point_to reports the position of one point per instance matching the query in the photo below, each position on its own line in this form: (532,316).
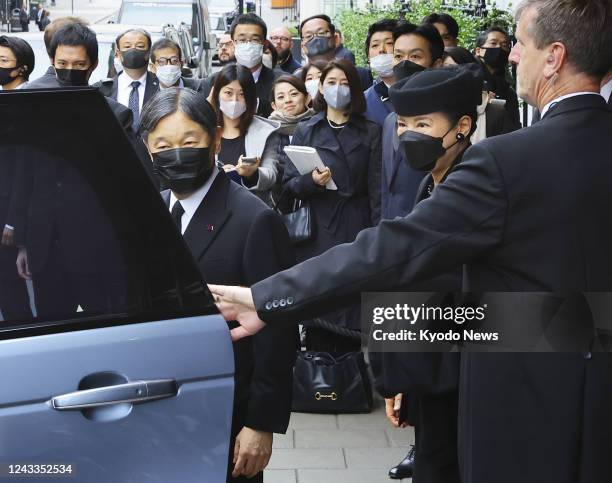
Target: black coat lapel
(209,218)
(151,87)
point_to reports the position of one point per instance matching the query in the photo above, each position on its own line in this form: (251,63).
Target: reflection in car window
(86,225)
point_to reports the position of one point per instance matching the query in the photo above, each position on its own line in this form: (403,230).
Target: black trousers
(60,290)
(14,300)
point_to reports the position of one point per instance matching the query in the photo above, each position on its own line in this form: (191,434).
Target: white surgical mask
(249,54)
(168,75)
(118,65)
(383,64)
(337,96)
(232,109)
(312,86)
(267,61)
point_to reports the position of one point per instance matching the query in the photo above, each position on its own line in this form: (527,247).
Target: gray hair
(582,26)
(169,101)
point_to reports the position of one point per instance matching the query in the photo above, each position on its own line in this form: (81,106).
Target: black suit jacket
(263,87)
(237,240)
(109,87)
(527,211)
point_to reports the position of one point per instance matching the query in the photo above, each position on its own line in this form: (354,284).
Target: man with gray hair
(527,211)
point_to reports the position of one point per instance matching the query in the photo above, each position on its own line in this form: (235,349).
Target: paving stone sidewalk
(326,448)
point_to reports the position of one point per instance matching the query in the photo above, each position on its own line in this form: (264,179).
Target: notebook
(306,160)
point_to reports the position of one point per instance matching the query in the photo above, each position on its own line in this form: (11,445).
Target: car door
(123,370)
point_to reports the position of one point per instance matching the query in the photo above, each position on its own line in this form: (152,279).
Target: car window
(217,23)
(98,239)
(151,13)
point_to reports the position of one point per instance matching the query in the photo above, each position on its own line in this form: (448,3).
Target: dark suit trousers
(14,301)
(58,291)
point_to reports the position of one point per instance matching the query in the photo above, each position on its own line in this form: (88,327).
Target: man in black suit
(525,212)
(248,33)
(234,238)
(167,65)
(135,85)
(51,198)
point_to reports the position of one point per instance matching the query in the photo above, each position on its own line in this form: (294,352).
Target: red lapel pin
(210,227)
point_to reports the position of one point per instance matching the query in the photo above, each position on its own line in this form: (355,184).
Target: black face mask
(406,68)
(72,77)
(496,57)
(135,58)
(185,169)
(5,75)
(318,46)
(421,150)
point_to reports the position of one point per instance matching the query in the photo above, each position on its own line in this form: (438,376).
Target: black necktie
(177,214)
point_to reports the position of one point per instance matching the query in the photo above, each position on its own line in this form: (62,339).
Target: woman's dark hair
(319,64)
(460,55)
(22,52)
(268,46)
(453,116)
(385,25)
(229,74)
(289,79)
(175,99)
(76,35)
(358,104)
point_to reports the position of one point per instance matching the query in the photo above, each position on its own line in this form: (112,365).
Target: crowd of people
(412,146)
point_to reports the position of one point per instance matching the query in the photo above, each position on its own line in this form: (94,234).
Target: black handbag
(325,384)
(298,221)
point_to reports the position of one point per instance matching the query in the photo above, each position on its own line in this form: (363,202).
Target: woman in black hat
(436,117)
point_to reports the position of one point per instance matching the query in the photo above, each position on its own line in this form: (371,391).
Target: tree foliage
(355,23)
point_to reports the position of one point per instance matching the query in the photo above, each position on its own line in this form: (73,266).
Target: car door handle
(131,392)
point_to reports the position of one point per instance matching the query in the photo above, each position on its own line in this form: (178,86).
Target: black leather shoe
(405,468)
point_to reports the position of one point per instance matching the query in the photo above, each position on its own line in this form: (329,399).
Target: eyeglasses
(321,33)
(255,40)
(161,61)
(224,44)
(280,39)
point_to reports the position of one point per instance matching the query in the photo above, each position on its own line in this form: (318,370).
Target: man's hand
(22,264)
(252,452)
(247,170)
(8,236)
(392,407)
(321,177)
(236,303)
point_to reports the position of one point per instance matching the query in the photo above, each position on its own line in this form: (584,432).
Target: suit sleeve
(300,186)
(268,250)
(17,215)
(374,175)
(464,217)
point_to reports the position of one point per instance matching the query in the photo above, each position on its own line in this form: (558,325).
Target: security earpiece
(460,136)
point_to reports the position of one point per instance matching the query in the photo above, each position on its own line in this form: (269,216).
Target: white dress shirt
(561,98)
(606,90)
(124,89)
(193,201)
(257,73)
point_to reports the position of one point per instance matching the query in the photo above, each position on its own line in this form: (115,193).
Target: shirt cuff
(9,227)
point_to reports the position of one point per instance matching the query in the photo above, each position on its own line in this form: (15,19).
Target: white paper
(306,160)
